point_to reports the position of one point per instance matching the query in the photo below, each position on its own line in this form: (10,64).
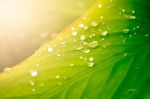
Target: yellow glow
(7,10)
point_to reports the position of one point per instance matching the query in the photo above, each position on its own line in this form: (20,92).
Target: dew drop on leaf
(33,89)
(81,57)
(93,44)
(7,69)
(125,54)
(81,25)
(32,83)
(34,73)
(58,55)
(100,5)
(59,83)
(90,64)
(101,17)
(94,24)
(74,33)
(130,17)
(137,27)
(105,33)
(133,12)
(82,37)
(91,59)
(123,10)
(57,77)
(41,84)
(50,49)
(71,65)
(86,27)
(146,35)
(79,48)
(86,51)
(126,30)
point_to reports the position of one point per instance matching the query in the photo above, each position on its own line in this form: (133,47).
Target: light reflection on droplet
(91,59)
(125,54)
(33,90)
(7,69)
(57,77)
(101,17)
(130,17)
(126,30)
(105,33)
(74,33)
(81,57)
(90,64)
(100,5)
(34,73)
(146,35)
(82,37)
(94,24)
(86,51)
(93,44)
(32,83)
(50,49)
(71,65)
(81,25)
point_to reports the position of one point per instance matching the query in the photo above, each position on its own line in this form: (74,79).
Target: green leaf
(103,55)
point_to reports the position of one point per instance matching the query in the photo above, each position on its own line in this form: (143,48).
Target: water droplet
(63,43)
(82,37)
(126,30)
(79,48)
(57,77)
(101,17)
(71,65)
(74,33)
(84,18)
(90,64)
(105,33)
(33,90)
(81,25)
(125,54)
(86,27)
(137,27)
(130,35)
(94,24)
(91,59)
(146,35)
(133,11)
(59,83)
(124,40)
(50,49)
(7,69)
(93,44)
(65,78)
(34,73)
(132,17)
(41,84)
(86,51)
(73,28)
(81,57)
(100,30)
(102,39)
(100,5)
(130,93)
(123,10)
(84,43)
(37,65)
(32,83)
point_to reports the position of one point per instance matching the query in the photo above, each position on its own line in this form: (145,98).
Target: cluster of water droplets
(128,13)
